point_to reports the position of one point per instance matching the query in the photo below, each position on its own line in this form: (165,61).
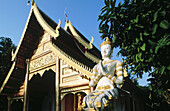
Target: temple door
(69,102)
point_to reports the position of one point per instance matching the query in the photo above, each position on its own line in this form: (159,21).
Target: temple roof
(80,53)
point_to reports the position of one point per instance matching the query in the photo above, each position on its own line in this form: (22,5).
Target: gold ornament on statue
(107,41)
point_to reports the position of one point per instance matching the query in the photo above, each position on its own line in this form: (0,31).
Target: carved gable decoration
(43,58)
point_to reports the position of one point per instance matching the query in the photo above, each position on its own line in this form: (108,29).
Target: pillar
(79,101)
(9,103)
(57,85)
(25,107)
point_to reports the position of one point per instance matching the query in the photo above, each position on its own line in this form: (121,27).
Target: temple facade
(52,66)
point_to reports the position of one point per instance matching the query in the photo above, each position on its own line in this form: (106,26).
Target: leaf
(155,16)
(114,38)
(164,24)
(137,40)
(150,87)
(163,13)
(145,33)
(140,26)
(141,37)
(143,47)
(154,28)
(137,60)
(162,69)
(168,67)
(129,27)
(140,56)
(137,18)
(156,49)
(167,82)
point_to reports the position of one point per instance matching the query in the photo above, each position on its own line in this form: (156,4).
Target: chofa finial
(32,2)
(91,45)
(66,15)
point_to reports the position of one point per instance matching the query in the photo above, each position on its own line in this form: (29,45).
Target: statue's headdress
(107,41)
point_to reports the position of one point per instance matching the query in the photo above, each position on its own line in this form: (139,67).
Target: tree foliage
(6,47)
(141,29)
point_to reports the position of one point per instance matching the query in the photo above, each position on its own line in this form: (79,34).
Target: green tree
(140,28)
(6,47)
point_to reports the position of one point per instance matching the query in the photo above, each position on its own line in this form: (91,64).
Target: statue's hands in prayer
(102,70)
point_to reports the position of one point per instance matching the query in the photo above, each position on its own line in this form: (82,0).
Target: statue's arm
(95,77)
(119,73)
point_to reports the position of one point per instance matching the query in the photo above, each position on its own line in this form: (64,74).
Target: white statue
(106,74)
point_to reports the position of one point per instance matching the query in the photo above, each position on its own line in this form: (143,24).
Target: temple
(51,68)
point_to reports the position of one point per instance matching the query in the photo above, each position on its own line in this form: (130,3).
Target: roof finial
(66,15)
(32,2)
(91,46)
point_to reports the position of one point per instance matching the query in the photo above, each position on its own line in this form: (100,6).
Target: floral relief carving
(42,61)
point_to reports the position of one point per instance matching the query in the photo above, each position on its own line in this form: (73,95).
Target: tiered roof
(69,44)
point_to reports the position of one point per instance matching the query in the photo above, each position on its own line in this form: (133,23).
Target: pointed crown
(107,41)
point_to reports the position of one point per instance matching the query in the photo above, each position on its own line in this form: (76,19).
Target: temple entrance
(70,101)
(41,92)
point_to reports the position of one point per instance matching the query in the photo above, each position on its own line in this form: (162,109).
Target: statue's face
(106,51)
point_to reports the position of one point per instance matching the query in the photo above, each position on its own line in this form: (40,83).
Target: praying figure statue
(105,76)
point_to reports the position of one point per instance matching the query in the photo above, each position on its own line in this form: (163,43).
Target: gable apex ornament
(57,29)
(66,15)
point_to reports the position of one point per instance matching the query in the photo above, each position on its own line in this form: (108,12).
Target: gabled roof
(63,43)
(85,45)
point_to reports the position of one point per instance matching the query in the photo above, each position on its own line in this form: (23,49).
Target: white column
(25,107)
(57,85)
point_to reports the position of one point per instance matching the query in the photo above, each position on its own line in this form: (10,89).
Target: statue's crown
(107,41)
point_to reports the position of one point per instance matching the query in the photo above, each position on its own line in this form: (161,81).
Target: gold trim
(82,41)
(76,35)
(93,97)
(83,104)
(114,79)
(92,57)
(103,87)
(94,74)
(92,109)
(97,93)
(98,104)
(104,62)
(119,75)
(91,45)
(90,102)
(125,73)
(106,104)
(107,41)
(110,76)
(110,97)
(118,65)
(118,70)
(107,74)
(94,70)
(44,24)
(71,61)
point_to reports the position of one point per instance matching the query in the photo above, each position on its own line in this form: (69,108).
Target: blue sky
(83,14)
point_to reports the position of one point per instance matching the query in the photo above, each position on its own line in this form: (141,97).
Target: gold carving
(42,61)
(92,109)
(103,87)
(107,41)
(98,104)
